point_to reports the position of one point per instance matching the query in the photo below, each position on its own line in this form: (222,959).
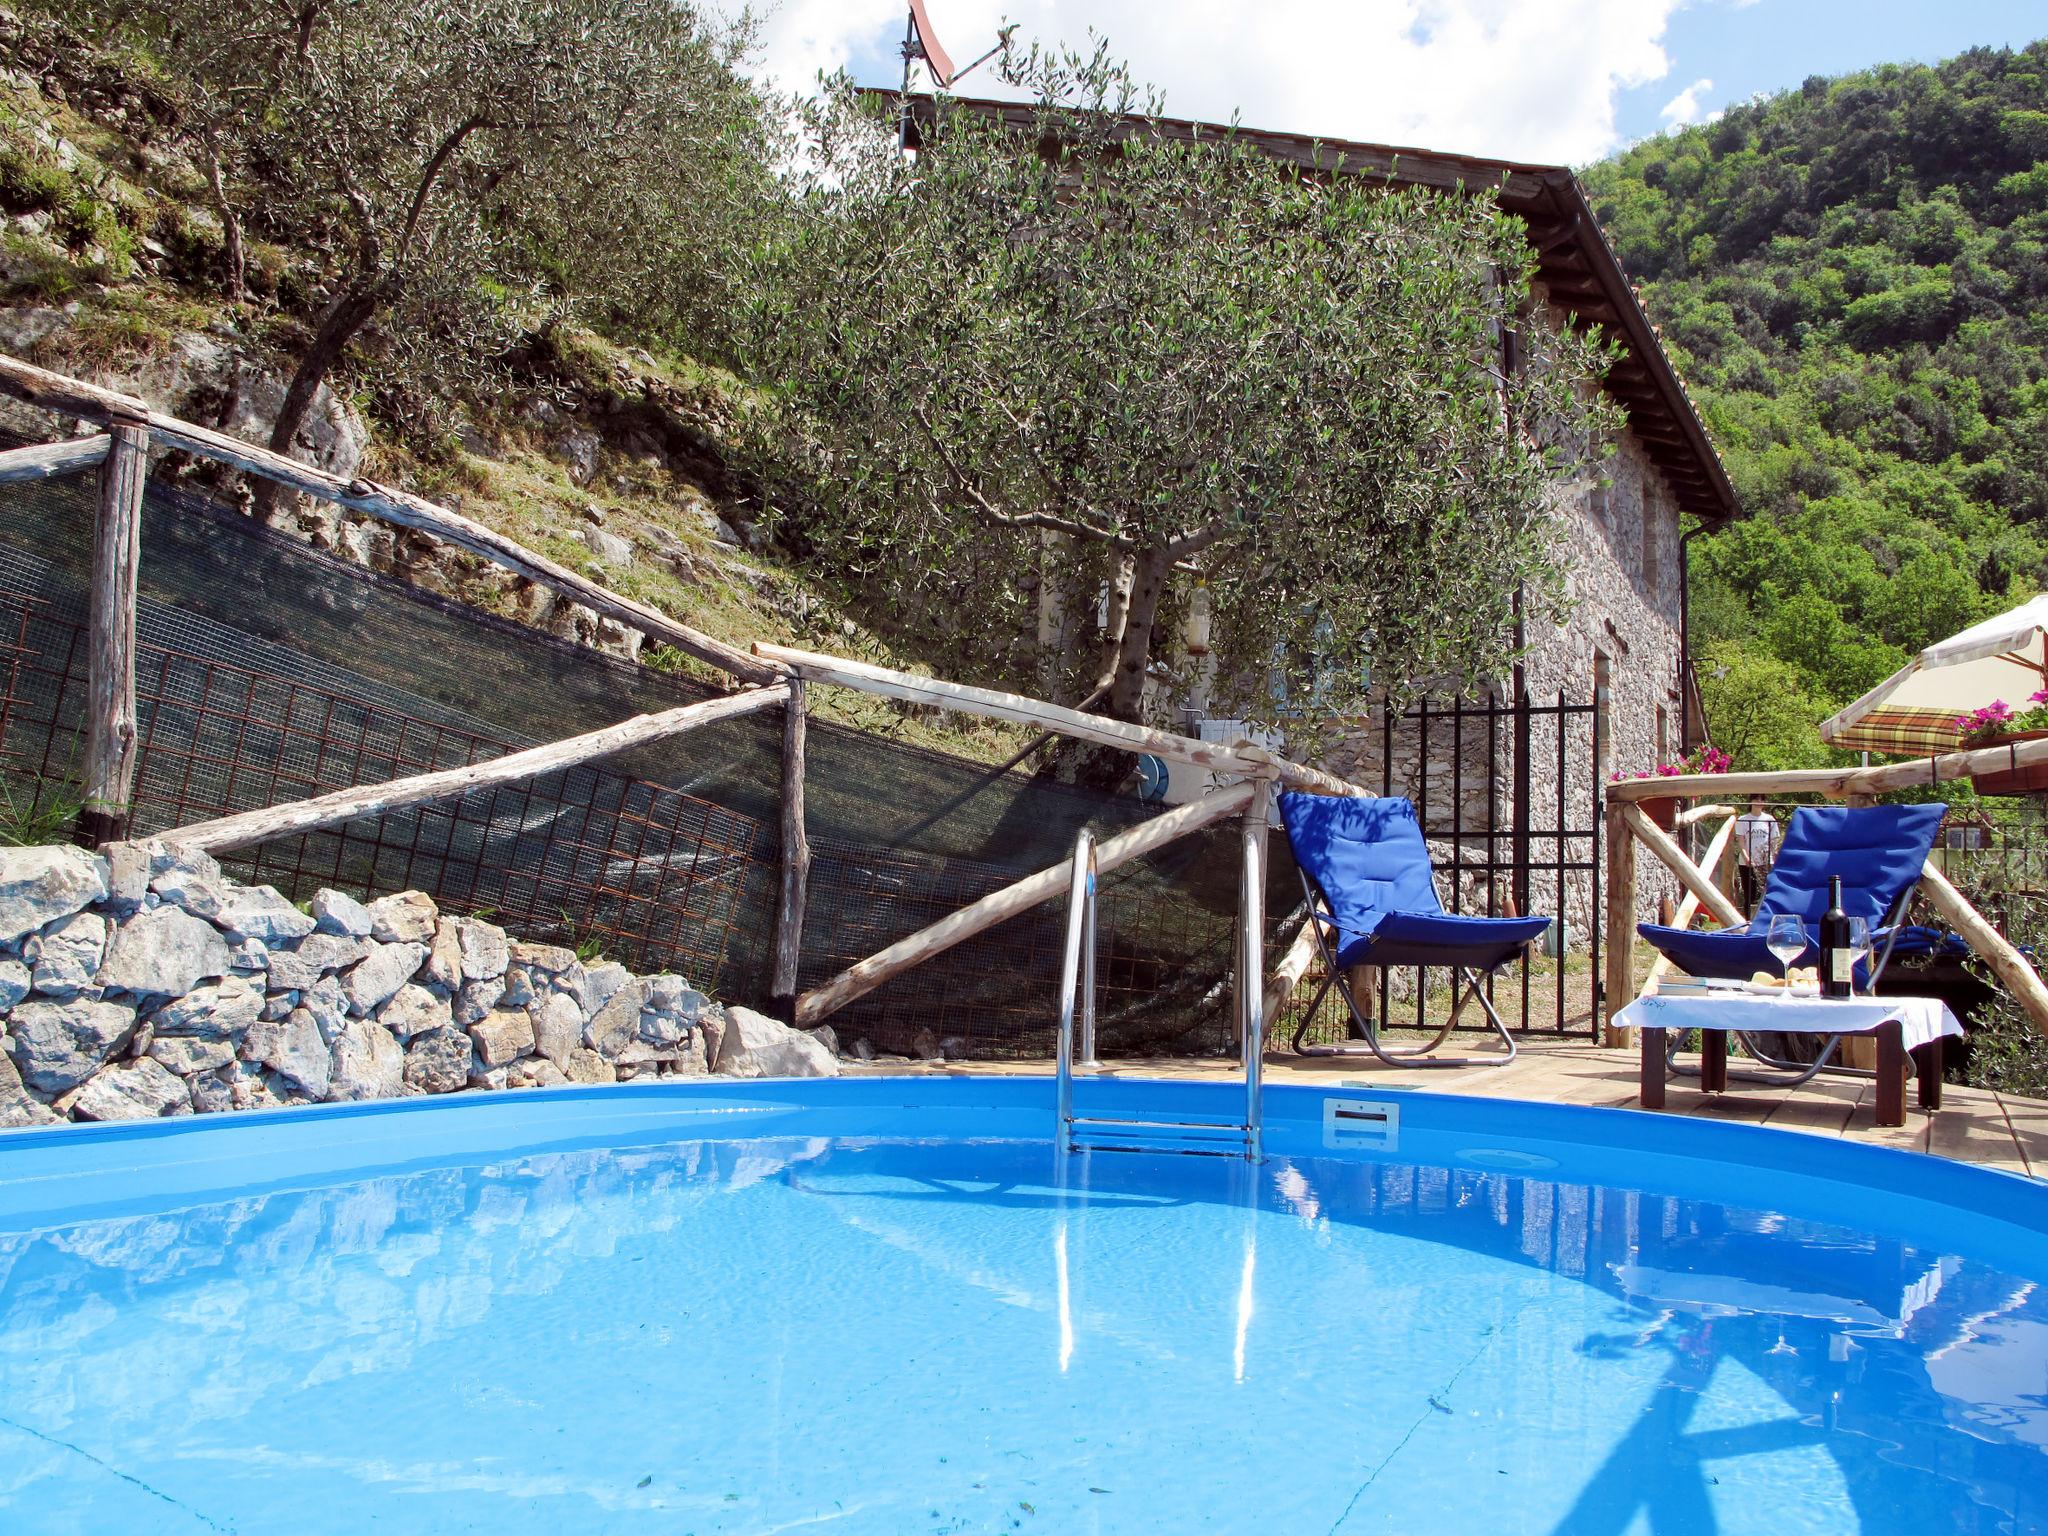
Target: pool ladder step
(1128,1131)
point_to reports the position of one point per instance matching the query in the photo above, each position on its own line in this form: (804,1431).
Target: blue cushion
(1407,938)
(1369,860)
(1366,856)
(1878,850)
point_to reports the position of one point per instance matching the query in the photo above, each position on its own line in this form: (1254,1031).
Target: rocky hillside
(605,456)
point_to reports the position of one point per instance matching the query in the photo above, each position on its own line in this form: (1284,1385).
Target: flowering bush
(1701,760)
(1998,718)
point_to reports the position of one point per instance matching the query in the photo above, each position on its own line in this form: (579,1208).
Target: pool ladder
(1131,1132)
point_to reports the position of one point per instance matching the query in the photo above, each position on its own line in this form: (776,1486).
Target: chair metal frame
(1470,984)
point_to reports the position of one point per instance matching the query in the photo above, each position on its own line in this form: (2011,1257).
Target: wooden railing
(1627,824)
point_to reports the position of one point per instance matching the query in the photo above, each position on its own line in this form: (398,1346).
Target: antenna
(921,41)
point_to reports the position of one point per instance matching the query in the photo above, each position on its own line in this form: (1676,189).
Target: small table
(1902,1026)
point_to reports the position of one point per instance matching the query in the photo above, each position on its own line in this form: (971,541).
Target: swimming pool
(886,1305)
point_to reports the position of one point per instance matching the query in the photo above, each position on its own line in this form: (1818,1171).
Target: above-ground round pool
(890,1306)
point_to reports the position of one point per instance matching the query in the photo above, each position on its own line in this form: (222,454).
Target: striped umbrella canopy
(1913,712)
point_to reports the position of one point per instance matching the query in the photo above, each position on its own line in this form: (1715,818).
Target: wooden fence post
(1619,985)
(108,776)
(796,856)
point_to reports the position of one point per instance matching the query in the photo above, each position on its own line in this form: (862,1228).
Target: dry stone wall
(141,981)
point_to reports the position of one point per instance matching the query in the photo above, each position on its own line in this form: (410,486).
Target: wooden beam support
(1301,954)
(1241,757)
(1618,985)
(1690,875)
(857,980)
(342,805)
(108,776)
(796,855)
(2011,967)
(69,397)
(47,461)
(1689,908)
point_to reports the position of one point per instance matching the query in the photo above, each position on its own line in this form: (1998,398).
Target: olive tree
(460,164)
(1075,356)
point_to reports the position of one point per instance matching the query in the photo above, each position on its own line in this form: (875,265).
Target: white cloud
(1519,79)
(1685,107)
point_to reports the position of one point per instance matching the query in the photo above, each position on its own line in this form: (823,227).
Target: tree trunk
(346,315)
(1126,699)
(232,256)
(1129,649)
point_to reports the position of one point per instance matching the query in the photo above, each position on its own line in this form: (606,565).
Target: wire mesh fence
(268,671)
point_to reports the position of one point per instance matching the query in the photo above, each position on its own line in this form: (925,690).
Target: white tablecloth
(1921,1019)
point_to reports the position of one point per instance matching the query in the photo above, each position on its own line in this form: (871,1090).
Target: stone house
(1620,658)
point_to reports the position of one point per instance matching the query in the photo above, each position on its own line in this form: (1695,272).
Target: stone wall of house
(1620,645)
(141,982)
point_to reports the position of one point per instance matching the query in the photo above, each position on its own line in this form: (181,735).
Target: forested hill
(1853,278)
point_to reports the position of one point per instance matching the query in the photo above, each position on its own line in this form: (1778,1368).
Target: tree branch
(1049,521)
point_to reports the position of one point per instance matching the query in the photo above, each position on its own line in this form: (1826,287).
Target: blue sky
(1541,80)
(1772,45)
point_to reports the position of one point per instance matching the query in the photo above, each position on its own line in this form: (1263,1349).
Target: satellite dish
(1151,777)
(935,57)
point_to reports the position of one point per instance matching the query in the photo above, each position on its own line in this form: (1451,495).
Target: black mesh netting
(267,672)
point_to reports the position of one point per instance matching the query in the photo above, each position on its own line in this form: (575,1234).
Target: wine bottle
(1837,960)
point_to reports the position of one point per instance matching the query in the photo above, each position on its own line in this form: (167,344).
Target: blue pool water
(889,1307)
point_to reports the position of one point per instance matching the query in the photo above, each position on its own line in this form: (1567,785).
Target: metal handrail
(1077,977)
(1251,964)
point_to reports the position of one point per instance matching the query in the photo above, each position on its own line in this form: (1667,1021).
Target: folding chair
(1372,901)
(1878,851)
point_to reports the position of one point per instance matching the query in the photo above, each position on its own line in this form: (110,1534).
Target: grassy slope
(123,231)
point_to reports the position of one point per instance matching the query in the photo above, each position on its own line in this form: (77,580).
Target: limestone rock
(57,1045)
(617,1024)
(70,954)
(439,1061)
(368,1063)
(340,913)
(557,1028)
(444,961)
(518,987)
(769,1048)
(826,1036)
(586,1066)
(502,1036)
(249,956)
(711,1027)
(187,1057)
(17,1108)
(294,1049)
(413,1010)
(128,870)
(490,1079)
(548,959)
(218,1012)
(313,957)
(138,1090)
(14,983)
(407,918)
(374,982)
(610,548)
(187,878)
(328,1004)
(478,998)
(38,886)
(598,985)
(165,953)
(485,953)
(924,1046)
(261,912)
(212,1094)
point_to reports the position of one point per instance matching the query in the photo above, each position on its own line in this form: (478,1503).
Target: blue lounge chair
(1365,869)
(1878,851)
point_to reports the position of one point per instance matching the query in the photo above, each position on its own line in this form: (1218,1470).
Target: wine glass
(1859,947)
(1786,938)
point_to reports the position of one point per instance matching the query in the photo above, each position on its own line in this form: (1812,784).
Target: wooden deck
(1973,1125)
